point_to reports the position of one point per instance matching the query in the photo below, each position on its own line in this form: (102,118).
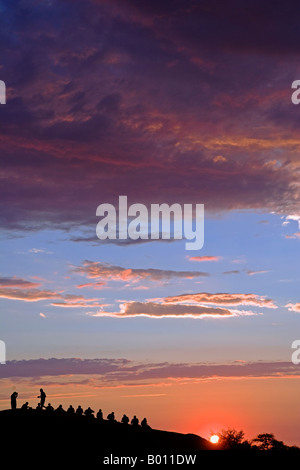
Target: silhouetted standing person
(42,396)
(100,415)
(79,411)
(13,400)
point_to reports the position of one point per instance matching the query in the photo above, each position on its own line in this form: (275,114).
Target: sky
(163,102)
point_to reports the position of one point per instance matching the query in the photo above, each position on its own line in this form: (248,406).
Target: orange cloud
(222,299)
(204,258)
(158,310)
(293,307)
(99,270)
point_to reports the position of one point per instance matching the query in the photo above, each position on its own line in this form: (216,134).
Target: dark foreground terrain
(37,436)
(38,439)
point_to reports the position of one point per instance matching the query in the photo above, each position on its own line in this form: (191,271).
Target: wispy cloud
(120,371)
(106,271)
(222,299)
(204,258)
(253,273)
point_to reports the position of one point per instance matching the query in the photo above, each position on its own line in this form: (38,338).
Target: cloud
(93,285)
(294,236)
(293,307)
(144,87)
(100,270)
(253,273)
(222,299)
(204,258)
(73,301)
(123,371)
(9,282)
(161,310)
(30,295)
(14,288)
(233,271)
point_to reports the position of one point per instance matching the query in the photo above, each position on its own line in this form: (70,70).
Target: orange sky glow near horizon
(202,407)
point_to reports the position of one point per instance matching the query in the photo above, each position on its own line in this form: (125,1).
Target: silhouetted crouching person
(60,410)
(39,408)
(25,407)
(49,408)
(111,417)
(13,400)
(144,424)
(125,420)
(42,396)
(135,421)
(70,410)
(100,415)
(89,413)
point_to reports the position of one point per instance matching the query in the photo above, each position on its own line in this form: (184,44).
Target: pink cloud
(222,299)
(117,372)
(204,258)
(158,310)
(100,270)
(293,307)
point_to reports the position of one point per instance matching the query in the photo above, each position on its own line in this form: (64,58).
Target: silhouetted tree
(230,439)
(267,441)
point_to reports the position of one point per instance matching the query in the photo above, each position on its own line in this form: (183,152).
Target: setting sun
(214,439)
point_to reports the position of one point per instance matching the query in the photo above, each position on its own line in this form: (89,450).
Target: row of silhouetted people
(89,413)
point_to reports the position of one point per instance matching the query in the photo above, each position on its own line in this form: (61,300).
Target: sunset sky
(165,102)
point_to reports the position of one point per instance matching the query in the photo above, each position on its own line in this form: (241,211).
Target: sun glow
(214,439)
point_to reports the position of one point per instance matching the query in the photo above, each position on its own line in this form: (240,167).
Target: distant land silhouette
(59,437)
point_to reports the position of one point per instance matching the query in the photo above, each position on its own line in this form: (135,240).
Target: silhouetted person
(13,400)
(125,419)
(42,396)
(49,408)
(100,415)
(144,424)
(39,408)
(60,410)
(79,411)
(111,417)
(25,407)
(70,410)
(135,421)
(89,413)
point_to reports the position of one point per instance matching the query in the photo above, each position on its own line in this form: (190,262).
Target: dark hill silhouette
(60,439)
(69,438)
